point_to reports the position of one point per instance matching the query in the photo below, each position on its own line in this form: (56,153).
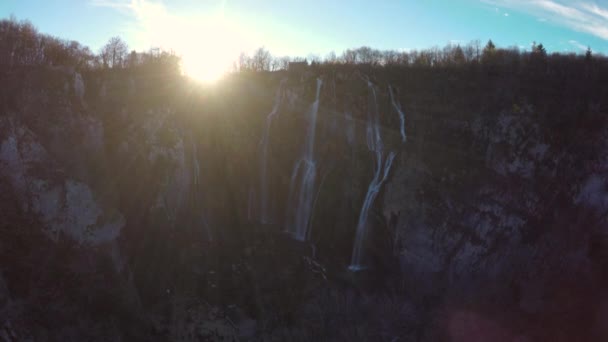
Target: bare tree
(114,53)
(275,64)
(349,56)
(331,58)
(261,59)
(313,58)
(132,59)
(475,46)
(469,52)
(403,58)
(453,55)
(365,55)
(244,62)
(284,62)
(390,57)
(29,44)
(299,59)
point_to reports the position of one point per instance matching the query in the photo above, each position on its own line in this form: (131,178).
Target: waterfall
(302,184)
(250,204)
(196,164)
(397,107)
(264,212)
(381,170)
(196,182)
(334,118)
(350,128)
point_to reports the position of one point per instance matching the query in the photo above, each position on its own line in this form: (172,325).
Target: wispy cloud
(140,18)
(577,45)
(151,23)
(111,3)
(580,15)
(593,8)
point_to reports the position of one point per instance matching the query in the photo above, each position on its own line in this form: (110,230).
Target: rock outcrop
(491,207)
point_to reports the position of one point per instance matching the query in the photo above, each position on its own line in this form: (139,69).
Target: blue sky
(289,27)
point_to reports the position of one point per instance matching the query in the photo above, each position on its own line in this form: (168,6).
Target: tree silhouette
(588,54)
(490,47)
(114,53)
(261,60)
(539,49)
(488,52)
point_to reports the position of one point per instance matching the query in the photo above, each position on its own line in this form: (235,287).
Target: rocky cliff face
(509,220)
(64,206)
(490,222)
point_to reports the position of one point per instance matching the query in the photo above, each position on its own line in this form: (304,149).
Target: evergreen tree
(588,54)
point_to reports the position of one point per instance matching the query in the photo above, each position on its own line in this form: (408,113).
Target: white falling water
(350,128)
(334,118)
(250,203)
(196,174)
(197,167)
(397,107)
(303,180)
(381,170)
(264,212)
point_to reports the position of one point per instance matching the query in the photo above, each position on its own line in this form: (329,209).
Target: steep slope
(464,200)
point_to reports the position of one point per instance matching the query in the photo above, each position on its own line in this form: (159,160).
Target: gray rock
(4,294)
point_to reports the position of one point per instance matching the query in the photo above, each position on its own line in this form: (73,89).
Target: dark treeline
(22,45)
(449,56)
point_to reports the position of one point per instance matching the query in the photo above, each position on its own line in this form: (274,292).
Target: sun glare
(207,66)
(208,44)
(211,54)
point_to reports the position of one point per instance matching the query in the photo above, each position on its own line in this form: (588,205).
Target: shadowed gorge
(459,200)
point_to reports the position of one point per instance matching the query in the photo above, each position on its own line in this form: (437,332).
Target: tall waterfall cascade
(383,161)
(264,213)
(301,189)
(197,197)
(397,107)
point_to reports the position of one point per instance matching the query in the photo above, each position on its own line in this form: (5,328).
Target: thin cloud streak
(152,24)
(593,8)
(114,4)
(582,16)
(577,45)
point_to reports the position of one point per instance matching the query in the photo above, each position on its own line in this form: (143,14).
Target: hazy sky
(319,26)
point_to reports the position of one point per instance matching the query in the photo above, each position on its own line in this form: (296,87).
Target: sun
(208,44)
(210,50)
(206,66)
